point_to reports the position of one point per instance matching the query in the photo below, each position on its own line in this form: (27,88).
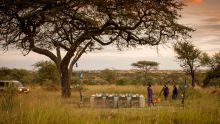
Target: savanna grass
(43,107)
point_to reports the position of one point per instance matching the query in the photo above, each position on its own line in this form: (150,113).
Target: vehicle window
(2,84)
(18,84)
(6,83)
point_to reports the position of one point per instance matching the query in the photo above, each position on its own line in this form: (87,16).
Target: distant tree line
(45,74)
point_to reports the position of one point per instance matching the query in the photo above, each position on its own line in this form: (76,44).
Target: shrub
(46,70)
(121,82)
(212,78)
(109,75)
(89,82)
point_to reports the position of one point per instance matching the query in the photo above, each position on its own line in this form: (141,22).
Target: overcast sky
(202,15)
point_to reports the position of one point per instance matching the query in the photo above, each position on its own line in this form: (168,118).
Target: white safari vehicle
(12,83)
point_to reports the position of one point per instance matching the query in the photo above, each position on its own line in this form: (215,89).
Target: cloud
(211,27)
(212,20)
(194,1)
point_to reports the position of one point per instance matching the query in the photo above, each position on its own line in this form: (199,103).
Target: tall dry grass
(43,107)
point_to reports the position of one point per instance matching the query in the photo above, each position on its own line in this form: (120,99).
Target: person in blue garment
(175,92)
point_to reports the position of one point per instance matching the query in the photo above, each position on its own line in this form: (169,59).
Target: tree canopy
(213,75)
(72,27)
(145,65)
(189,58)
(211,62)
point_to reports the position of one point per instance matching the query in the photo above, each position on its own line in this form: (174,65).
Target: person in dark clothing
(150,95)
(165,91)
(175,92)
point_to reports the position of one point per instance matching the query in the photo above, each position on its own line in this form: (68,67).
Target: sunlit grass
(44,107)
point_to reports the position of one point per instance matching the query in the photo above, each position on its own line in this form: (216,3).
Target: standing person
(175,92)
(165,91)
(150,95)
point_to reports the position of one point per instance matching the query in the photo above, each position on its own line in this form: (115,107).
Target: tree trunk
(193,78)
(145,78)
(65,83)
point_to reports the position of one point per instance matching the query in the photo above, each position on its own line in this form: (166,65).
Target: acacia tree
(189,58)
(145,66)
(213,63)
(72,27)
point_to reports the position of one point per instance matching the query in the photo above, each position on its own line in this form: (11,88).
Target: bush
(89,82)
(21,75)
(109,75)
(121,82)
(212,78)
(46,70)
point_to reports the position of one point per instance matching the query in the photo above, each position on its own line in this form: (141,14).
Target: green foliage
(215,81)
(173,78)
(205,59)
(212,78)
(145,65)
(46,71)
(87,82)
(137,78)
(210,61)
(213,75)
(189,58)
(109,75)
(5,73)
(21,75)
(200,76)
(120,82)
(187,54)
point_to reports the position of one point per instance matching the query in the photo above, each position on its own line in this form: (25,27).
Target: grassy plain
(45,107)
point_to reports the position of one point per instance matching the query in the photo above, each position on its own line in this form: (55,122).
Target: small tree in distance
(189,58)
(145,66)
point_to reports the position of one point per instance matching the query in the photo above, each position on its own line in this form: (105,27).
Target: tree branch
(42,51)
(100,42)
(79,54)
